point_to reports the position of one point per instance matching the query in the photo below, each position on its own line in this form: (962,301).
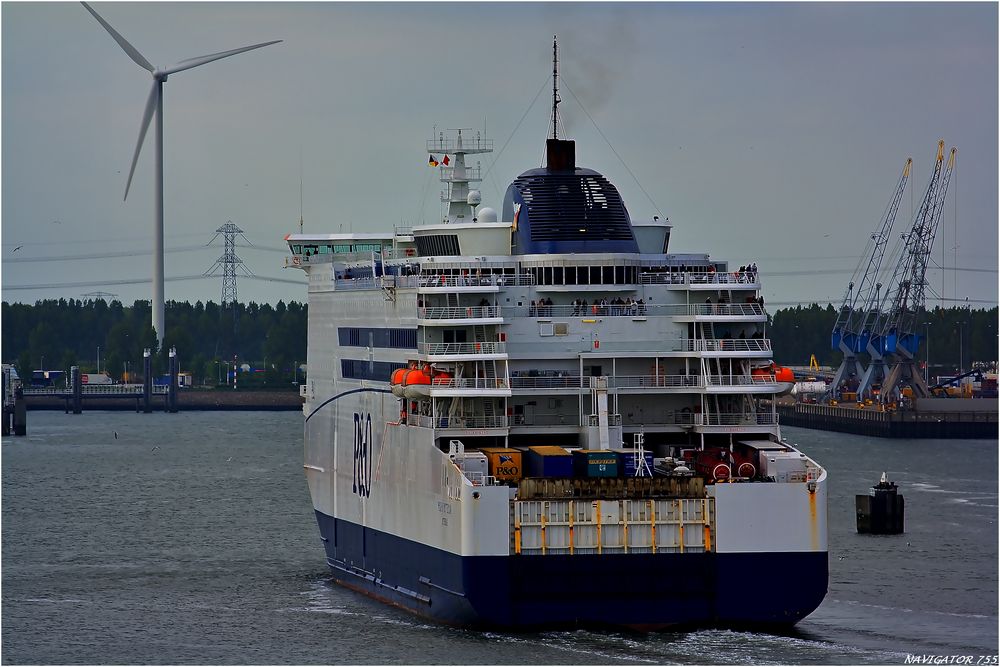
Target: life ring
(750,466)
(296,260)
(716,471)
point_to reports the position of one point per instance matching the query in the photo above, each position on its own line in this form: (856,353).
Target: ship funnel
(560,154)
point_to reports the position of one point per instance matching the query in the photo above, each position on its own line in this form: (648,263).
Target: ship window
(363,369)
(608,275)
(324,250)
(560,328)
(547,275)
(377,337)
(557,276)
(297,249)
(620,275)
(595,275)
(570,275)
(583,275)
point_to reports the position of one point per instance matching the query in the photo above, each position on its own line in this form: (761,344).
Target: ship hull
(637,591)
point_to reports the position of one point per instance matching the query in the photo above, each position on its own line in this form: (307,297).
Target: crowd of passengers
(615,307)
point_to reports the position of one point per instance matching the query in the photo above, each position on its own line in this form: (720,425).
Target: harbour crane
(852,329)
(895,338)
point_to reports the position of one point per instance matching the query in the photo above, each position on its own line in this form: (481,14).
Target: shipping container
(505,464)
(548,461)
(595,463)
(627,463)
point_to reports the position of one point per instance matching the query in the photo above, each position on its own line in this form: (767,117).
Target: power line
(136,281)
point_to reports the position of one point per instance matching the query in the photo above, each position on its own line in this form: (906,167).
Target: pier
(930,418)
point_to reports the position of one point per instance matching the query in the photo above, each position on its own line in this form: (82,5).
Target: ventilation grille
(573,207)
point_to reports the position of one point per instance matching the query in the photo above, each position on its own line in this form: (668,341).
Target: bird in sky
(57,222)
(16,249)
(155,447)
(116,435)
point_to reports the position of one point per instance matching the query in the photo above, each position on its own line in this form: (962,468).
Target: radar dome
(486,214)
(474,198)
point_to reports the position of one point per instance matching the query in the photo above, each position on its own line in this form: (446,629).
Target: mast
(555,88)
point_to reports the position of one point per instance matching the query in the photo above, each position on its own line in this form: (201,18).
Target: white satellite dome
(474,198)
(486,214)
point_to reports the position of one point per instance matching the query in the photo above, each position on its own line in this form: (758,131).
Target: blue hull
(639,591)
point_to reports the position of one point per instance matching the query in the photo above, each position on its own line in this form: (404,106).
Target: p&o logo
(362,454)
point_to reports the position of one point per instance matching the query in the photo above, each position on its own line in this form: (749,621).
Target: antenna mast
(300,189)
(555,88)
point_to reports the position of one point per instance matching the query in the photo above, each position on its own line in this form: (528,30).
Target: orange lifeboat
(416,383)
(396,381)
(785,378)
(442,378)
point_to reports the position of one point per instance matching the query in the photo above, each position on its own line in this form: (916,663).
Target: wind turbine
(155,104)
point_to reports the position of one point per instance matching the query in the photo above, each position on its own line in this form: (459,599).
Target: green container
(595,463)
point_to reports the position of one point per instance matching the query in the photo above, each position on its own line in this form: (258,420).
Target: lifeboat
(441,378)
(416,383)
(785,378)
(396,382)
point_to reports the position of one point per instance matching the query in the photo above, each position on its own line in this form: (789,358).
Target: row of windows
(585,275)
(444,245)
(360,369)
(378,337)
(340,248)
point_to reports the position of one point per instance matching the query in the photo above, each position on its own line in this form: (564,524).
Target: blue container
(595,463)
(548,461)
(626,462)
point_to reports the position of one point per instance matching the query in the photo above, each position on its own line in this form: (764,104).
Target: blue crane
(894,339)
(852,329)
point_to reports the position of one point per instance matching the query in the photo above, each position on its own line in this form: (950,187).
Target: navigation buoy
(881,511)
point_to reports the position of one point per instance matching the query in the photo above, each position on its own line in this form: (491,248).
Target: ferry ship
(547,419)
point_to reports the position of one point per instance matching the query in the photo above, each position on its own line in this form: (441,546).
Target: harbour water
(189,539)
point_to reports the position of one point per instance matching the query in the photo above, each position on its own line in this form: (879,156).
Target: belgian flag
(432,162)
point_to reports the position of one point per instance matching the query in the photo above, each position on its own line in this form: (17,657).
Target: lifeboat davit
(416,383)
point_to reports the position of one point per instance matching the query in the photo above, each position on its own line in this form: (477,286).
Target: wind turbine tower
(154,104)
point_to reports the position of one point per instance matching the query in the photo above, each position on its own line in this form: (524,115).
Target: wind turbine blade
(122,42)
(147,116)
(201,60)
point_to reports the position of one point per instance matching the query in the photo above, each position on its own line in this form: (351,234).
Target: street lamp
(927,356)
(961,352)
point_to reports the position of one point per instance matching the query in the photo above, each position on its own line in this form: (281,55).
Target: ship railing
(639,310)
(470,383)
(402,230)
(717,277)
(687,417)
(354,284)
(449,145)
(462,348)
(471,174)
(738,418)
(651,381)
(595,420)
(727,345)
(706,277)
(471,280)
(459,422)
(452,313)
(547,382)
(726,380)
(544,419)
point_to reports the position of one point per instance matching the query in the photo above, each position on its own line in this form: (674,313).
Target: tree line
(57,334)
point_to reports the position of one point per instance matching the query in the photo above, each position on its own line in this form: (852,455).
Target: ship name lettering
(362,485)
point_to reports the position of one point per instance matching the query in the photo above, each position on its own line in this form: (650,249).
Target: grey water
(190,539)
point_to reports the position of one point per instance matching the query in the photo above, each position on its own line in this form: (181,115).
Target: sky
(767,133)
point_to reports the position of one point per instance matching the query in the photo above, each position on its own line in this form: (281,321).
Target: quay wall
(976,421)
(187,399)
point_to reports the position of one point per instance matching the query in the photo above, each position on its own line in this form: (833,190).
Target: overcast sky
(772,133)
